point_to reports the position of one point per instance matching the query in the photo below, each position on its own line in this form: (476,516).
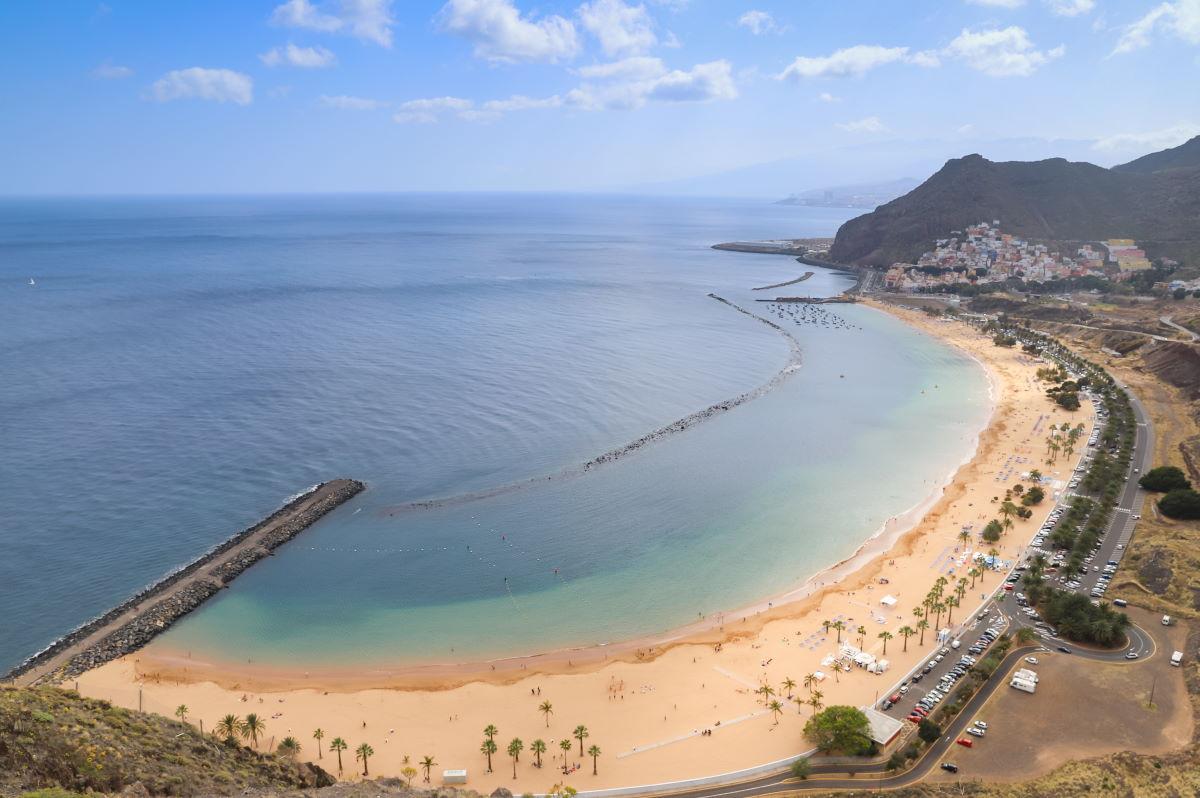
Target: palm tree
(1035,475)
(809,680)
(789,685)
(579,734)
(776,710)
(815,701)
(964,536)
(427,764)
(229,727)
(409,773)
(538,747)
(906,632)
(547,709)
(974,574)
(318,735)
(514,750)
(490,731)
(488,747)
(252,727)
(594,753)
(289,746)
(565,745)
(885,636)
(840,626)
(766,691)
(922,625)
(960,589)
(951,603)
(364,752)
(339,745)
(826,624)
(181,712)
(862,635)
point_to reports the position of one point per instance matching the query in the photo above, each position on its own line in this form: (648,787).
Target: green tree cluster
(840,728)
(1164,479)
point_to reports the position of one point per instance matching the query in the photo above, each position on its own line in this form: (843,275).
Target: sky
(660,96)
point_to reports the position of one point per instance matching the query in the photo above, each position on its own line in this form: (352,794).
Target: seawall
(131,624)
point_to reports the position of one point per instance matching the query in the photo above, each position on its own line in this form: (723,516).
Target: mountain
(1185,156)
(1053,199)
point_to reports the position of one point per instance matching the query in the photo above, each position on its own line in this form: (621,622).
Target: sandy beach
(648,703)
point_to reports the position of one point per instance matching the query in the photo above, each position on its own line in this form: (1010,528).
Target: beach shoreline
(655,710)
(577,659)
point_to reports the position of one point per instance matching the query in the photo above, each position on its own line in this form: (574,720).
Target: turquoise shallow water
(187,364)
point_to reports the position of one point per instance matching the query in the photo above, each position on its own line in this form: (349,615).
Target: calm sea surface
(183,365)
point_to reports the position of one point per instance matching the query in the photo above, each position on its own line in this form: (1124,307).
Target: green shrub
(1164,479)
(1182,503)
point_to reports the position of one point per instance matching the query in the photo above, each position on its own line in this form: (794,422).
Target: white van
(1177,658)
(1166,621)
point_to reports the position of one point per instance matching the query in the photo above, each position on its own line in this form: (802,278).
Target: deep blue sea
(183,365)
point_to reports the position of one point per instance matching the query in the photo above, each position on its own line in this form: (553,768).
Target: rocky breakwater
(152,610)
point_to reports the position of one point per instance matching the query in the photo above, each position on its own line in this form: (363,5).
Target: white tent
(888,601)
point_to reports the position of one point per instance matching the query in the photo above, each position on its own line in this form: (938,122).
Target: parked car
(950,766)
(965,743)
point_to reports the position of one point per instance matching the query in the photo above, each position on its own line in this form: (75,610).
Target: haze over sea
(182,366)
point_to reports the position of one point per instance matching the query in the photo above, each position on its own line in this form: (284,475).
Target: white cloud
(758,22)
(998,3)
(1151,140)
(500,33)
(963,130)
(303,14)
(370,20)
(1070,8)
(219,85)
(1180,18)
(428,110)
(349,103)
(519,102)
(826,97)
(1000,52)
(868,124)
(621,29)
(631,83)
(640,67)
(305,57)
(926,58)
(851,62)
(109,71)
(636,81)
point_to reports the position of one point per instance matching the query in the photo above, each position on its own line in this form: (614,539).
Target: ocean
(181,366)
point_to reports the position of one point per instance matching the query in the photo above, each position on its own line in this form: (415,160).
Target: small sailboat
(31,282)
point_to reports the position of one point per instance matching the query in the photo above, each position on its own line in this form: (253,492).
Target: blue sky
(662,95)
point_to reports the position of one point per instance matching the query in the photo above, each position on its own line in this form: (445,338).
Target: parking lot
(1082,708)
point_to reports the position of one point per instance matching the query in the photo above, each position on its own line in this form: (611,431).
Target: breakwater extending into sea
(127,627)
(612,455)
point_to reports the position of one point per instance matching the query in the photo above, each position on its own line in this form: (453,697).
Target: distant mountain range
(861,195)
(1154,199)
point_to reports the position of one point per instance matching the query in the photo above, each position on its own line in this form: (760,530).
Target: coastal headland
(138,620)
(683,704)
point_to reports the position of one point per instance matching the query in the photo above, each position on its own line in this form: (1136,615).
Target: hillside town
(983,253)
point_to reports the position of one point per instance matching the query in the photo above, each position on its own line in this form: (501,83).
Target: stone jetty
(152,610)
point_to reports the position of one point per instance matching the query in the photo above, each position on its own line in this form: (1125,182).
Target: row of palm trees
(771,702)
(251,728)
(515,746)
